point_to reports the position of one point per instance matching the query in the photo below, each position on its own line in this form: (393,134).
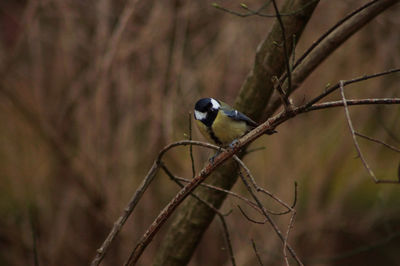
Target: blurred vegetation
(88,98)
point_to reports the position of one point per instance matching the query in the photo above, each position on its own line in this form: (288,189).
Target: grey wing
(236,115)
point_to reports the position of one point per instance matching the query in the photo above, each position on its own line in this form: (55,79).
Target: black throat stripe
(212,135)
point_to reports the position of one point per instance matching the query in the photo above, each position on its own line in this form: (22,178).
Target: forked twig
(357,146)
(269,219)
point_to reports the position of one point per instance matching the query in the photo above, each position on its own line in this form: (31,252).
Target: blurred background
(90,91)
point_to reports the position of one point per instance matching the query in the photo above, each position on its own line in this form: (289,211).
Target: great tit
(220,123)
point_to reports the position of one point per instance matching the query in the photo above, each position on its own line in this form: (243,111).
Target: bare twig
(34,237)
(191,146)
(348,82)
(258,12)
(176,180)
(332,104)
(360,154)
(254,150)
(350,124)
(127,212)
(269,219)
(231,193)
(250,219)
(285,100)
(285,49)
(115,39)
(334,27)
(260,189)
(398,172)
(378,141)
(227,239)
(290,226)
(256,252)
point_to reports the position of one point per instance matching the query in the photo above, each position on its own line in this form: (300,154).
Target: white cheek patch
(199,115)
(215,104)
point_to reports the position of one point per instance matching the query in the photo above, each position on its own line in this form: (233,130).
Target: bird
(219,123)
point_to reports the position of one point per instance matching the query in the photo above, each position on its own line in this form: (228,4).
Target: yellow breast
(227,129)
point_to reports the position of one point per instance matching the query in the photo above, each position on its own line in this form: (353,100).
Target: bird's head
(206,110)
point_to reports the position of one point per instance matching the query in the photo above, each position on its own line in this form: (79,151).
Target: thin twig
(34,237)
(290,226)
(378,141)
(334,27)
(230,193)
(293,53)
(284,98)
(127,212)
(360,154)
(333,104)
(191,146)
(254,150)
(350,124)
(285,49)
(258,11)
(347,82)
(176,180)
(256,252)
(260,189)
(227,239)
(270,221)
(250,219)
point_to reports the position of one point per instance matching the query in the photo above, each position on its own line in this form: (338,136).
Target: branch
(333,104)
(333,88)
